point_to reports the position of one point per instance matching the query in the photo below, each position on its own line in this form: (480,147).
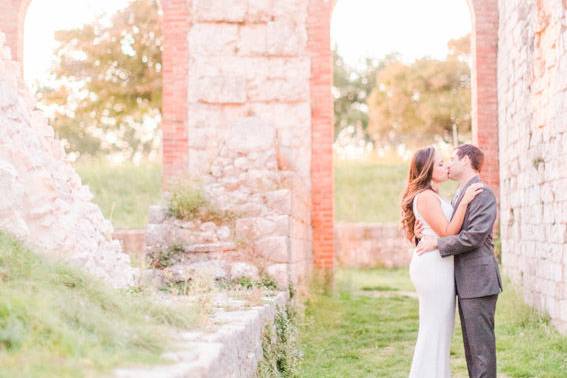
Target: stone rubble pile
(42,199)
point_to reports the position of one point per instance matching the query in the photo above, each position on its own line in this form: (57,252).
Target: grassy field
(124,192)
(367,191)
(368,328)
(58,322)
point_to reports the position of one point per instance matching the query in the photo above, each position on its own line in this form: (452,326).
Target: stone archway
(484,42)
(175,26)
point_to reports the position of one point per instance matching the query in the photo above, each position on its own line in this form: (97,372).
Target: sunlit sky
(360,28)
(44,17)
(413,28)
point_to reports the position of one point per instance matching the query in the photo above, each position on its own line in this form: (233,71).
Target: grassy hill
(58,322)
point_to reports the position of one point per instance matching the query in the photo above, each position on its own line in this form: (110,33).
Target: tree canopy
(105,92)
(407,102)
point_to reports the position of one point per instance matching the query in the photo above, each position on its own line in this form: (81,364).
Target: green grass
(58,322)
(365,191)
(124,192)
(369,191)
(355,333)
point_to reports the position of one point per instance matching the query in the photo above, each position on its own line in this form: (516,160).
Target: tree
(350,90)
(415,103)
(107,82)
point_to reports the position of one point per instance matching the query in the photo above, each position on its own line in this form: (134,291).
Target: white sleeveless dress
(433,278)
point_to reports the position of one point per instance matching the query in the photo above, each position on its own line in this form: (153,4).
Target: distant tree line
(396,102)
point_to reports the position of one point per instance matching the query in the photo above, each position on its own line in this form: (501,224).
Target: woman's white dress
(433,278)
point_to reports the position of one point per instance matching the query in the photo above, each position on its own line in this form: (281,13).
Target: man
(477,277)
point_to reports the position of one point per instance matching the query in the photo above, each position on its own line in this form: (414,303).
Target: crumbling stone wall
(42,200)
(532,89)
(265,234)
(249,59)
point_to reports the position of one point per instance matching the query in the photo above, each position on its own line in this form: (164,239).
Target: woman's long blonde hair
(419,179)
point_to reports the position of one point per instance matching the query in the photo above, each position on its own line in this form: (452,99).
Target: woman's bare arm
(430,208)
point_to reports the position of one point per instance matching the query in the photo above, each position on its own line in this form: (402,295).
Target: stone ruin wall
(264,237)
(249,64)
(532,88)
(249,60)
(42,199)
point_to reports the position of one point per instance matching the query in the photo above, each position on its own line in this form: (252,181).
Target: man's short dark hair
(474,153)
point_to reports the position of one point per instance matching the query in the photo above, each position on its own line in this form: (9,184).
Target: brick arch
(484,43)
(175,59)
(12,17)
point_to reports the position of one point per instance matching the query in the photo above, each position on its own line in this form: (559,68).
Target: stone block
(285,90)
(285,38)
(213,39)
(280,273)
(210,247)
(253,40)
(273,248)
(202,270)
(224,233)
(279,201)
(218,89)
(260,10)
(219,10)
(250,135)
(289,119)
(241,269)
(291,10)
(252,228)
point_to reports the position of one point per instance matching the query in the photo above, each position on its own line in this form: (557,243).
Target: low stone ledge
(232,349)
(367,245)
(211,247)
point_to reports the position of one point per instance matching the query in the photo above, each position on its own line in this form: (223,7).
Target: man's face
(456,166)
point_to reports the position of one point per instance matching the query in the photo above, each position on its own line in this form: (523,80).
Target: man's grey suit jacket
(476,269)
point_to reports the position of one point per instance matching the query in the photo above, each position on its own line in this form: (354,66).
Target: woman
(431,274)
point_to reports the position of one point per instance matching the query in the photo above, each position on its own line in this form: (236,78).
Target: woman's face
(440,169)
